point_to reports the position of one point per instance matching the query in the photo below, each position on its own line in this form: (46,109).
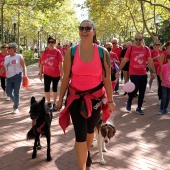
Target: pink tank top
(86,75)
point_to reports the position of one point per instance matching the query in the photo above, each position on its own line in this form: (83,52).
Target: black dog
(41,117)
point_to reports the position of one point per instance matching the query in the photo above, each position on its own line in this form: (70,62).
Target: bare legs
(82,149)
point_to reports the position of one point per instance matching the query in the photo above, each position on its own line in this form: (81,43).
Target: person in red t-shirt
(3,54)
(113,59)
(118,50)
(139,55)
(51,66)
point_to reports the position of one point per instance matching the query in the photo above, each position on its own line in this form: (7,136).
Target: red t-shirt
(112,57)
(155,53)
(51,59)
(138,59)
(2,63)
(118,51)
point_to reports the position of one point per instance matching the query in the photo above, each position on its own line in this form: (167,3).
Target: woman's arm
(22,62)
(66,78)
(2,69)
(107,80)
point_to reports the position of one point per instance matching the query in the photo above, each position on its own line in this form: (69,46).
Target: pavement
(140,143)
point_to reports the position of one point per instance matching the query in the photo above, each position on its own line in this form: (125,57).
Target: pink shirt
(155,53)
(138,59)
(86,75)
(2,63)
(51,59)
(166,74)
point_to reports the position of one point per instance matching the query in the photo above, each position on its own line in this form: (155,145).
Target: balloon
(129,87)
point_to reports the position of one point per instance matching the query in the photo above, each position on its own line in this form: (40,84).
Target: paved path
(141,142)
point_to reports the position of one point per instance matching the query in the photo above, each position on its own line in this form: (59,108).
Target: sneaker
(139,111)
(166,111)
(54,108)
(160,112)
(116,92)
(89,160)
(49,106)
(159,102)
(15,111)
(128,107)
(150,91)
(8,99)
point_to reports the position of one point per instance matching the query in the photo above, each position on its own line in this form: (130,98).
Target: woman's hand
(59,105)
(112,106)
(40,76)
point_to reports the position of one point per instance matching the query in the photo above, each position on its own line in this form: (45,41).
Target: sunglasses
(138,39)
(158,44)
(51,42)
(114,43)
(10,47)
(84,28)
(4,47)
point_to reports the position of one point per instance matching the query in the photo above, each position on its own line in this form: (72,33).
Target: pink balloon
(129,87)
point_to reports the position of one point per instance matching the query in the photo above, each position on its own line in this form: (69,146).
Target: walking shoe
(150,91)
(54,108)
(89,160)
(15,111)
(139,111)
(128,107)
(160,112)
(8,99)
(136,95)
(116,92)
(49,106)
(166,111)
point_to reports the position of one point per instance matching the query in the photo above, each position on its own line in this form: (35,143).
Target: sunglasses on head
(10,47)
(138,39)
(84,28)
(51,42)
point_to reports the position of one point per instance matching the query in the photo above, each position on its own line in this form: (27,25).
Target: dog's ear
(42,100)
(33,100)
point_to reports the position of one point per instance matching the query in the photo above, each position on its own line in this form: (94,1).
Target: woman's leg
(80,129)
(47,83)
(126,76)
(55,81)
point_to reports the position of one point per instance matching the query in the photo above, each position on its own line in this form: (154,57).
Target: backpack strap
(102,58)
(73,50)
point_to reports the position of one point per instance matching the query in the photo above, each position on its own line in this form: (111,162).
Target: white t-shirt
(12,65)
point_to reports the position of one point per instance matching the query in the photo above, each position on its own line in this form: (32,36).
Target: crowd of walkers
(90,74)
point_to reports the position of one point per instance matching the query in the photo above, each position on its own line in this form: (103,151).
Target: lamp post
(38,44)
(9,36)
(14,21)
(157,21)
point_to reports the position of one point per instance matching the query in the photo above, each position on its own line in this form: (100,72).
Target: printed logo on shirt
(139,59)
(13,61)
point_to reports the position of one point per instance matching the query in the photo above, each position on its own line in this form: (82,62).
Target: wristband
(111,101)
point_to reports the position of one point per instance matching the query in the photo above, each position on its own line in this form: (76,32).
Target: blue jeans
(165,98)
(13,88)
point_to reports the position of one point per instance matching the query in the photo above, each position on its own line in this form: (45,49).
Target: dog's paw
(102,162)
(104,150)
(34,156)
(49,158)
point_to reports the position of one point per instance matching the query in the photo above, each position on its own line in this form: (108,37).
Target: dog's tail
(30,134)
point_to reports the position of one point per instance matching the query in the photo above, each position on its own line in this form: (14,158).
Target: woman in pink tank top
(86,75)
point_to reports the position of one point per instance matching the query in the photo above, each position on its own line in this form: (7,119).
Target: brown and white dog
(104,132)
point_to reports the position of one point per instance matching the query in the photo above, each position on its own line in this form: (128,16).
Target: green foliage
(28,54)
